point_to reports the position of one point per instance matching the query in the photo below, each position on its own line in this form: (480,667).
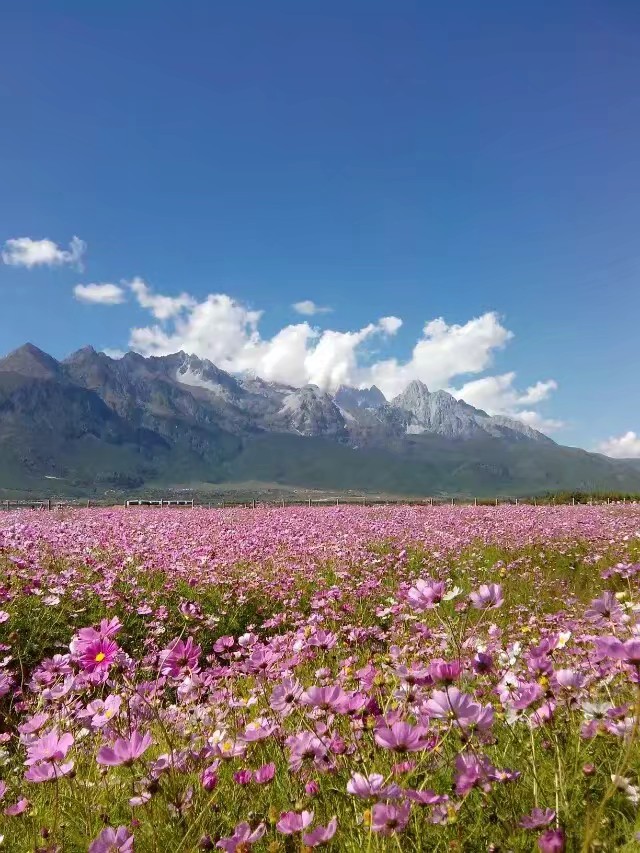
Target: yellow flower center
(100,657)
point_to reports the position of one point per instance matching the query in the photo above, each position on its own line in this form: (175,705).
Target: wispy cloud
(99,294)
(308,308)
(29,253)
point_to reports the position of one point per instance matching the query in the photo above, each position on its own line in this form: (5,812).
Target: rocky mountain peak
(29,360)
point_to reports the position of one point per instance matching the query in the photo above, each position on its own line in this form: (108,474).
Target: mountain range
(94,423)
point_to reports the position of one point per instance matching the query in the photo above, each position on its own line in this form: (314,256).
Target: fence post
(282,503)
(253,503)
(309,501)
(516,501)
(496,501)
(430,501)
(49,504)
(337,501)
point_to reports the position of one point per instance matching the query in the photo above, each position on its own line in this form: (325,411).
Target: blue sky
(472,162)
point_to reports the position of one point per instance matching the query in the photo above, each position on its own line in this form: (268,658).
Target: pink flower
(124,750)
(242,837)
(291,822)
(488,597)
(321,834)
(387,819)
(110,840)
(99,655)
(426,594)
(17,808)
(45,757)
(331,698)
(180,658)
(33,724)
(401,737)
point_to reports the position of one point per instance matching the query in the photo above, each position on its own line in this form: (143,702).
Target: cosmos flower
(243,837)
(292,822)
(125,750)
(46,757)
(320,834)
(488,597)
(387,819)
(401,737)
(426,594)
(110,840)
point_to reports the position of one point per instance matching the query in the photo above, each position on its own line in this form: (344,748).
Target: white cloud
(497,395)
(162,307)
(99,294)
(25,252)
(228,333)
(626,446)
(308,308)
(114,353)
(443,352)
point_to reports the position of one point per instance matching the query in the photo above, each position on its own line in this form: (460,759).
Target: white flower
(624,785)
(453,593)
(563,639)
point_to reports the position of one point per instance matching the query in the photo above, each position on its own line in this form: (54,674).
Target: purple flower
(124,750)
(291,822)
(452,704)
(321,834)
(243,777)
(243,836)
(488,597)
(209,777)
(110,840)
(537,818)
(265,774)
(45,757)
(387,819)
(552,841)
(446,672)
(306,745)
(17,808)
(365,786)
(569,679)
(471,772)
(401,737)
(426,594)
(285,696)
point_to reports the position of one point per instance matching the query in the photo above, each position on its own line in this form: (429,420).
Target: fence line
(253,503)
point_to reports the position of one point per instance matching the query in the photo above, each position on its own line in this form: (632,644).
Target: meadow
(383,678)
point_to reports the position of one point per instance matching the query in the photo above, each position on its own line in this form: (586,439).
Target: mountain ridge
(94,419)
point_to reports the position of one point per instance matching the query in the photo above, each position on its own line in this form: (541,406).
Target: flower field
(349,678)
